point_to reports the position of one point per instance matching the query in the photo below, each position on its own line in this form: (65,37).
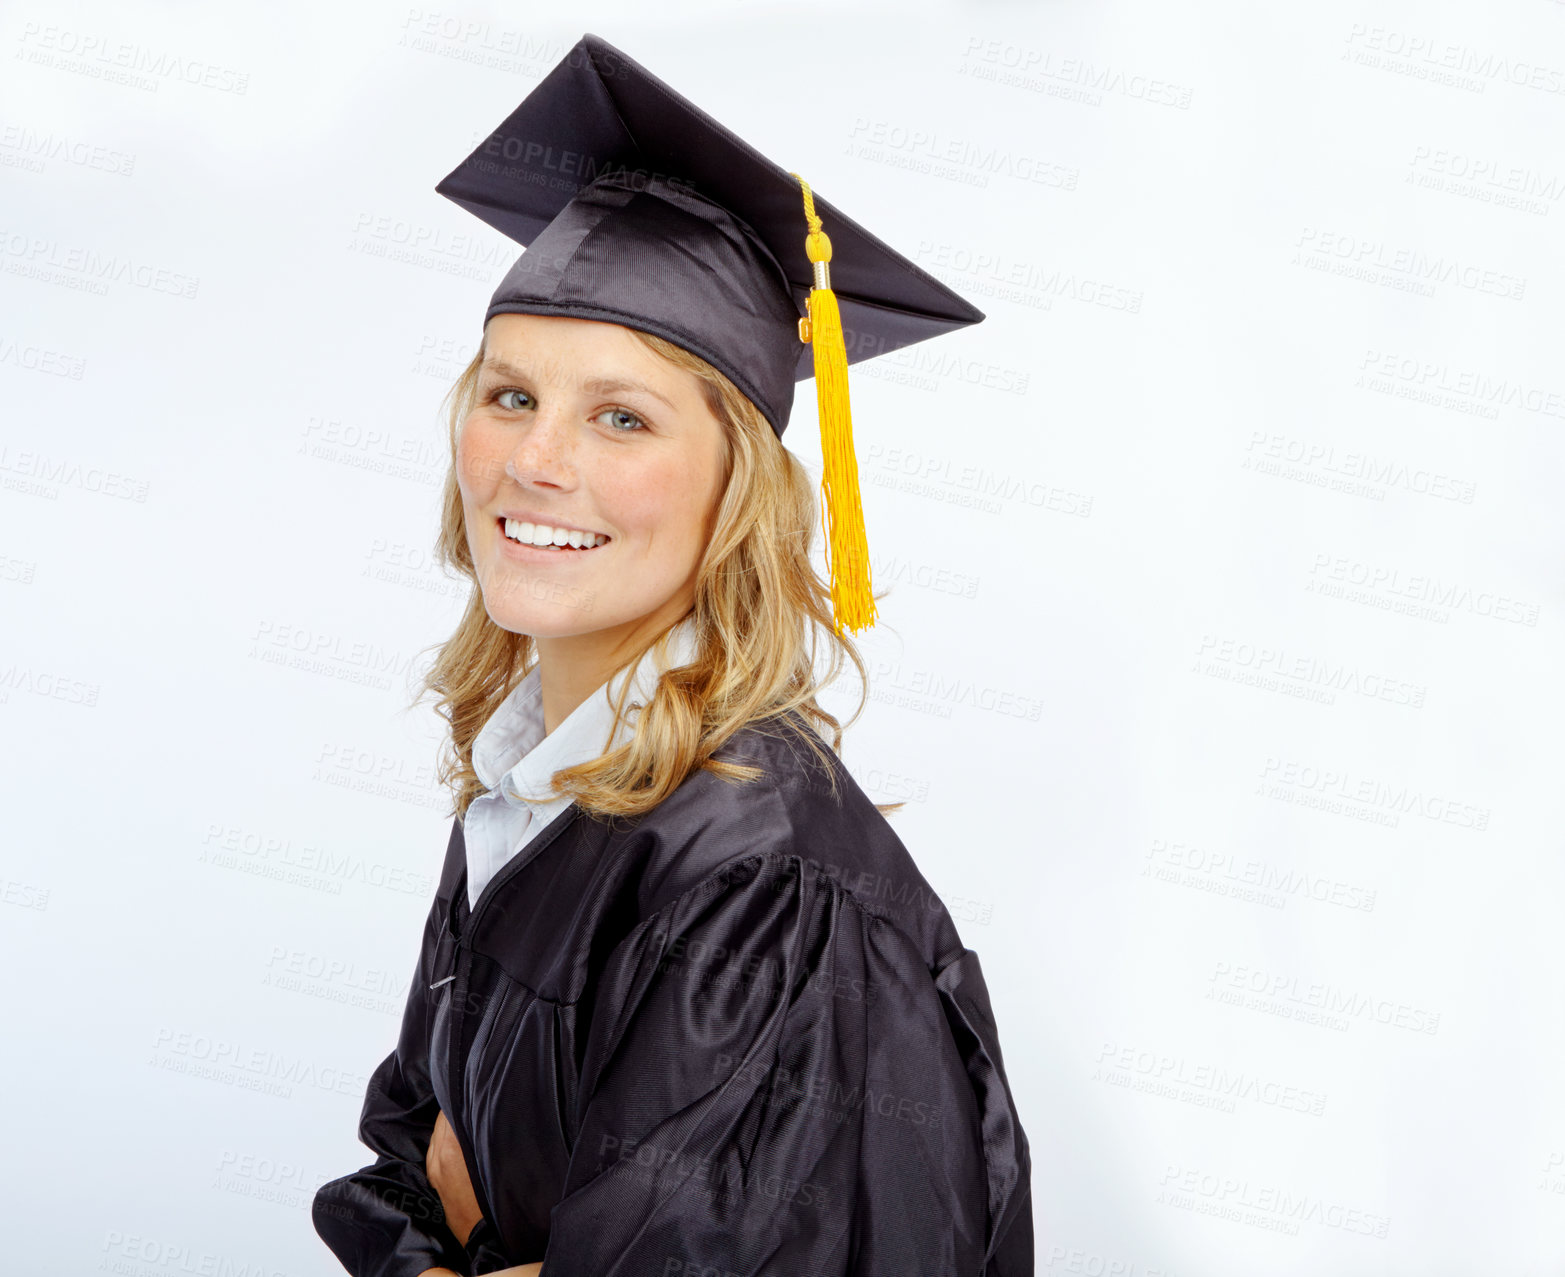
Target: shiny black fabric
(600,121)
(736,1037)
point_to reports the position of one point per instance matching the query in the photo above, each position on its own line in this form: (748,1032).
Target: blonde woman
(685,1006)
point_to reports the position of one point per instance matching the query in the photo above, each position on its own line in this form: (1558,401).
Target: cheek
(707,486)
(667,504)
(480,459)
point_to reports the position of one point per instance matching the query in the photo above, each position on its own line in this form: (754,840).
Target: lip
(530,516)
(538,553)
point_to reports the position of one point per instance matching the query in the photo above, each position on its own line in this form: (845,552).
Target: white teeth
(541,534)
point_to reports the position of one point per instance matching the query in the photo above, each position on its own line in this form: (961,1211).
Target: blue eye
(639,424)
(500,398)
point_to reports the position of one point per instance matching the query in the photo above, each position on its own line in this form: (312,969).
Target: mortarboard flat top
(641,209)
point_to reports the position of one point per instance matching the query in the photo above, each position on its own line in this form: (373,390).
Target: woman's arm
(446,1168)
(526,1270)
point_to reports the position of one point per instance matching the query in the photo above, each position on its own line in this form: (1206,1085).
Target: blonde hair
(760,611)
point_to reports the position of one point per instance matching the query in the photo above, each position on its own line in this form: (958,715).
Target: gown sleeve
(776,1084)
(386,1219)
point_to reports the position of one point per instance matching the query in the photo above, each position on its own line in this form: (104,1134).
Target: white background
(1242,503)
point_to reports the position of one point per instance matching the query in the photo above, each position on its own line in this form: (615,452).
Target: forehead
(560,348)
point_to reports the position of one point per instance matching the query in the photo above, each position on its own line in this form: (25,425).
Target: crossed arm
(526,1270)
(447,1171)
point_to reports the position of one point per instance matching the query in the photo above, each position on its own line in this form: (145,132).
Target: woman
(684,1003)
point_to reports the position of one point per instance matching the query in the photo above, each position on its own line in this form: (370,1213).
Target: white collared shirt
(516,762)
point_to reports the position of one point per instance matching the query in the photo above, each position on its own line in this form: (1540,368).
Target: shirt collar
(512,748)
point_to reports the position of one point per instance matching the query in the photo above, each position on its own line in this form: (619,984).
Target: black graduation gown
(738,1036)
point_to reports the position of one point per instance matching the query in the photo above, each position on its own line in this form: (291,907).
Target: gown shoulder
(789,1069)
(805,806)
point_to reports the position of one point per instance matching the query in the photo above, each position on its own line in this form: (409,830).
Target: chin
(540,607)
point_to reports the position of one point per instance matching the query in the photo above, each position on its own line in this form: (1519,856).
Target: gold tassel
(853,605)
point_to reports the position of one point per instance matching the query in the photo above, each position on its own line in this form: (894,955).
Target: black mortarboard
(640,209)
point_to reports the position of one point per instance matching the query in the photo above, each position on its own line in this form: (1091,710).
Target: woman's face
(578,428)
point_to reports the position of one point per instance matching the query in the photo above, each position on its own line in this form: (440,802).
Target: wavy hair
(761,611)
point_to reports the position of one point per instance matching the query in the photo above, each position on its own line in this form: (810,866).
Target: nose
(544,451)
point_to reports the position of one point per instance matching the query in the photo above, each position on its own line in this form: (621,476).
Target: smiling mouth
(541,536)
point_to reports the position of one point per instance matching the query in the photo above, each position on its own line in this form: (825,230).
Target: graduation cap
(637,208)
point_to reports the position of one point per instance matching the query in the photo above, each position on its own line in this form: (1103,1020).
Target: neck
(572,667)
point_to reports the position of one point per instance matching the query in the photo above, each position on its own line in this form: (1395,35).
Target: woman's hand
(447,1171)
(526,1270)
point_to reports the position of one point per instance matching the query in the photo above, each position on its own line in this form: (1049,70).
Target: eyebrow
(593,385)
